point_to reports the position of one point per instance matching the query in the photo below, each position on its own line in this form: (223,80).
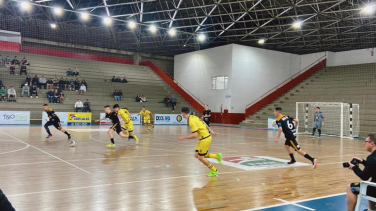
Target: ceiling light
(153,28)
(368,9)
(53,25)
(58,11)
(84,16)
(261,41)
(172,32)
(25,5)
(107,21)
(297,25)
(201,37)
(132,24)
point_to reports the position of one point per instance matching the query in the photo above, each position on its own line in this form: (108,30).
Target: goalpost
(340,119)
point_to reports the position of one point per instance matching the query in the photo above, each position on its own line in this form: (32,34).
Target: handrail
(285,81)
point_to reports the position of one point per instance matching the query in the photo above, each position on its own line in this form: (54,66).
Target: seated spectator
(61,83)
(61,97)
(76,72)
(69,72)
(33,91)
(67,84)
(77,84)
(113,79)
(50,95)
(124,80)
(56,96)
(71,84)
(26,89)
(24,61)
(50,83)
(87,106)
(143,98)
(28,80)
(138,99)
(35,80)
(84,82)
(42,81)
(12,93)
(12,69)
(23,69)
(116,96)
(15,61)
(118,79)
(55,82)
(79,106)
(1,60)
(120,94)
(7,62)
(3,93)
(166,101)
(82,89)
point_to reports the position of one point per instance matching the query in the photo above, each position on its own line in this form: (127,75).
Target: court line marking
(292,203)
(49,154)
(27,146)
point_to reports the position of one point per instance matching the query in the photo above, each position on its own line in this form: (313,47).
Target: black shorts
(116,127)
(55,122)
(207,121)
(291,141)
(355,189)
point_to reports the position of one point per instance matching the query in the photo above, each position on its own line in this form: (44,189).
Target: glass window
(220,82)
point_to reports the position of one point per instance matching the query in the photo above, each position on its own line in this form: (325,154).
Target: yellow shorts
(202,147)
(146,121)
(128,126)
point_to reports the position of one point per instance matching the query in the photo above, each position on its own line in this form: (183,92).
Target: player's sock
(148,128)
(292,157)
(112,141)
(211,155)
(313,131)
(48,130)
(66,133)
(319,132)
(130,137)
(212,168)
(309,157)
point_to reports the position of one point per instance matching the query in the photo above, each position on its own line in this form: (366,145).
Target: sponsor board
(79,119)
(135,119)
(272,124)
(169,119)
(14,117)
(257,162)
(63,116)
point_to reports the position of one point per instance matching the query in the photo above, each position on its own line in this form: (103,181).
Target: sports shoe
(136,139)
(69,136)
(152,126)
(111,145)
(219,157)
(212,173)
(49,136)
(291,162)
(312,136)
(319,136)
(36,97)
(314,162)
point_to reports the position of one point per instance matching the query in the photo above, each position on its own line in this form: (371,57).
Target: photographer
(368,171)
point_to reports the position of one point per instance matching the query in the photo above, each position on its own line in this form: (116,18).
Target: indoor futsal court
(160,173)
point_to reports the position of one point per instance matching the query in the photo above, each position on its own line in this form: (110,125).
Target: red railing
(283,87)
(178,87)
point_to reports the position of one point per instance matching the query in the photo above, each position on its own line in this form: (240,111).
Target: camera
(353,161)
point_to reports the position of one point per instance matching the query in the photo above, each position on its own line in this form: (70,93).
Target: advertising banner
(79,119)
(14,117)
(169,119)
(136,120)
(271,124)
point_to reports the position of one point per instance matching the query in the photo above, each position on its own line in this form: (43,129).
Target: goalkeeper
(318,122)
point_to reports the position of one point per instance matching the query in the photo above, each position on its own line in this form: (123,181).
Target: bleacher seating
(141,80)
(349,84)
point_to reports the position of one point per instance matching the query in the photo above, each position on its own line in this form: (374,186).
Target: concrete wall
(351,57)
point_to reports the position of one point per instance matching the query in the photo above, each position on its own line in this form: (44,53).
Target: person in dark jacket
(5,204)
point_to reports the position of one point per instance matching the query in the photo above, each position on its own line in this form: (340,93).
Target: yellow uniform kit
(128,123)
(146,115)
(204,136)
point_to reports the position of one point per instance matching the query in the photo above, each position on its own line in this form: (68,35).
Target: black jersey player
(54,120)
(206,115)
(113,117)
(286,125)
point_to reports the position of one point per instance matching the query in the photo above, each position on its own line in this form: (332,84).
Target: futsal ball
(72,143)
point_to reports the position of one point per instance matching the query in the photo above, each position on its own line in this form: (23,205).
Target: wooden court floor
(161,172)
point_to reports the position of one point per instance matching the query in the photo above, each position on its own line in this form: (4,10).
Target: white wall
(351,57)
(252,72)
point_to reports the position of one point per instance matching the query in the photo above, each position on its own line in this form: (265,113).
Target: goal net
(340,119)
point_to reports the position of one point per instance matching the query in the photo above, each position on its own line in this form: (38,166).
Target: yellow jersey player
(201,131)
(146,115)
(128,123)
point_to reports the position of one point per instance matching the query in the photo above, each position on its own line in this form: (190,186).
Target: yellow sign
(80,118)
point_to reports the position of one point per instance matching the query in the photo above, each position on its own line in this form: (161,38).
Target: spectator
(23,69)
(138,99)
(3,93)
(55,82)
(118,79)
(77,84)
(67,84)
(166,101)
(124,80)
(15,61)
(5,204)
(33,90)
(61,84)
(113,79)
(87,106)
(84,82)
(143,98)
(120,94)
(12,69)
(79,105)
(61,97)
(35,80)
(56,96)
(116,96)
(50,95)
(7,62)
(72,84)
(42,81)
(12,93)
(82,89)
(50,84)
(26,89)
(28,80)
(76,72)
(1,60)
(369,171)
(24,61)
(173,102)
